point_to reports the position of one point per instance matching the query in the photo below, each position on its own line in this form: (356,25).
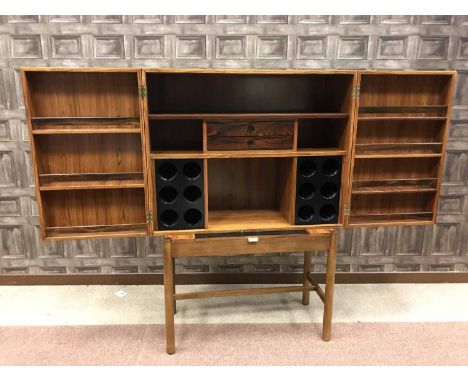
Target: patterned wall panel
(234,41)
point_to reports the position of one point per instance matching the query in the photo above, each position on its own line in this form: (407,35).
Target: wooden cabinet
(125,152)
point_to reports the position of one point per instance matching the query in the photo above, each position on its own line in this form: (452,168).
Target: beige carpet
(238,344)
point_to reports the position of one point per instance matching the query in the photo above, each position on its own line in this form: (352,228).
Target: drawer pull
(250,142)
(251,129)
(252,239)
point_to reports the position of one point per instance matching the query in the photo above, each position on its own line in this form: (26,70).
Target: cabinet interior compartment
(401,207)
(250,193)
(322,133)
(399,136)
(83,94)
(404,94)
(94,211)
(89,154)
(248,93)
(176,135)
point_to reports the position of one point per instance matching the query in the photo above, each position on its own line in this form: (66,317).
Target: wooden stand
(180,245)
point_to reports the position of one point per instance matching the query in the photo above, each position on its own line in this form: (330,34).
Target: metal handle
(252,239)
(251,129)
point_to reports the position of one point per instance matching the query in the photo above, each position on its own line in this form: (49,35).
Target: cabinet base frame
(188,245)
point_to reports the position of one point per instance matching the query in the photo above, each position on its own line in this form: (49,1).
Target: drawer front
(250,143)
(250,129)
(245,135)
(229,246)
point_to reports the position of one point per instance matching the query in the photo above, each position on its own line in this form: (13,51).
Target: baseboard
(234,278)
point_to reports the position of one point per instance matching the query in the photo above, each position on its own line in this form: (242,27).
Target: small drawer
(230,246)
(250,143)
(250,129)
(250,135)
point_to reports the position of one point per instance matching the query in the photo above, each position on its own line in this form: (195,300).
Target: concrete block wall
(281,42)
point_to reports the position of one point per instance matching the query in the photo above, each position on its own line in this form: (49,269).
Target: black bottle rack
(318,190)
(179,194)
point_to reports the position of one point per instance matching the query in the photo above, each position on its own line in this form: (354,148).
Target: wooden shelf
(85,120)
(246,154)
(391,189)
(233,220)
(250,116)
(399,148)
(403,109)
(400,118)
(95,231)
(398,155)
(391,219)
(103,130)
(95,181)
(85,125)
(95,185)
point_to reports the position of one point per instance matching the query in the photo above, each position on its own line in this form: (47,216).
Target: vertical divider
(205,137)
(205,188)
(295,134)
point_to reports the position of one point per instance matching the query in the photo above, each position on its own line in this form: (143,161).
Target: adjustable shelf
(54,182)
(85,125)
(398,148)
(248,116)
(246,154)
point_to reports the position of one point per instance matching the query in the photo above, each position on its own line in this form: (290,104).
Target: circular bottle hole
(328,190)
(167,171)
(306,190)
(327,212)
(307,167)
(168,194)
(192,216)
(306,213)
(330,167)
(192,194)
(191,170)
(168,218)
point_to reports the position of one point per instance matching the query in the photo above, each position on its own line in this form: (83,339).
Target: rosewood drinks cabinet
(135,152)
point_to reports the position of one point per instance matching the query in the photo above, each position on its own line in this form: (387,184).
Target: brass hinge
(356,92)
(142,91)
(347,209)
(149,217)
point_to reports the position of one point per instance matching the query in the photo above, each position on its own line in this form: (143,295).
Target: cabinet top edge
(410,72)
(236,71)
(61,69)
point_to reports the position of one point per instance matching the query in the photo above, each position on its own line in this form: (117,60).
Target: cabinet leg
(169,296)
(174,284)
(306,293)
(329,288)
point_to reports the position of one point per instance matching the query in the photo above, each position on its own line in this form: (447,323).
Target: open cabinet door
(399,139)
(86,136)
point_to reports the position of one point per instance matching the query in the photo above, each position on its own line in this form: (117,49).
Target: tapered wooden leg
(329,288)
(306,293)
(174,284)
(169,296)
